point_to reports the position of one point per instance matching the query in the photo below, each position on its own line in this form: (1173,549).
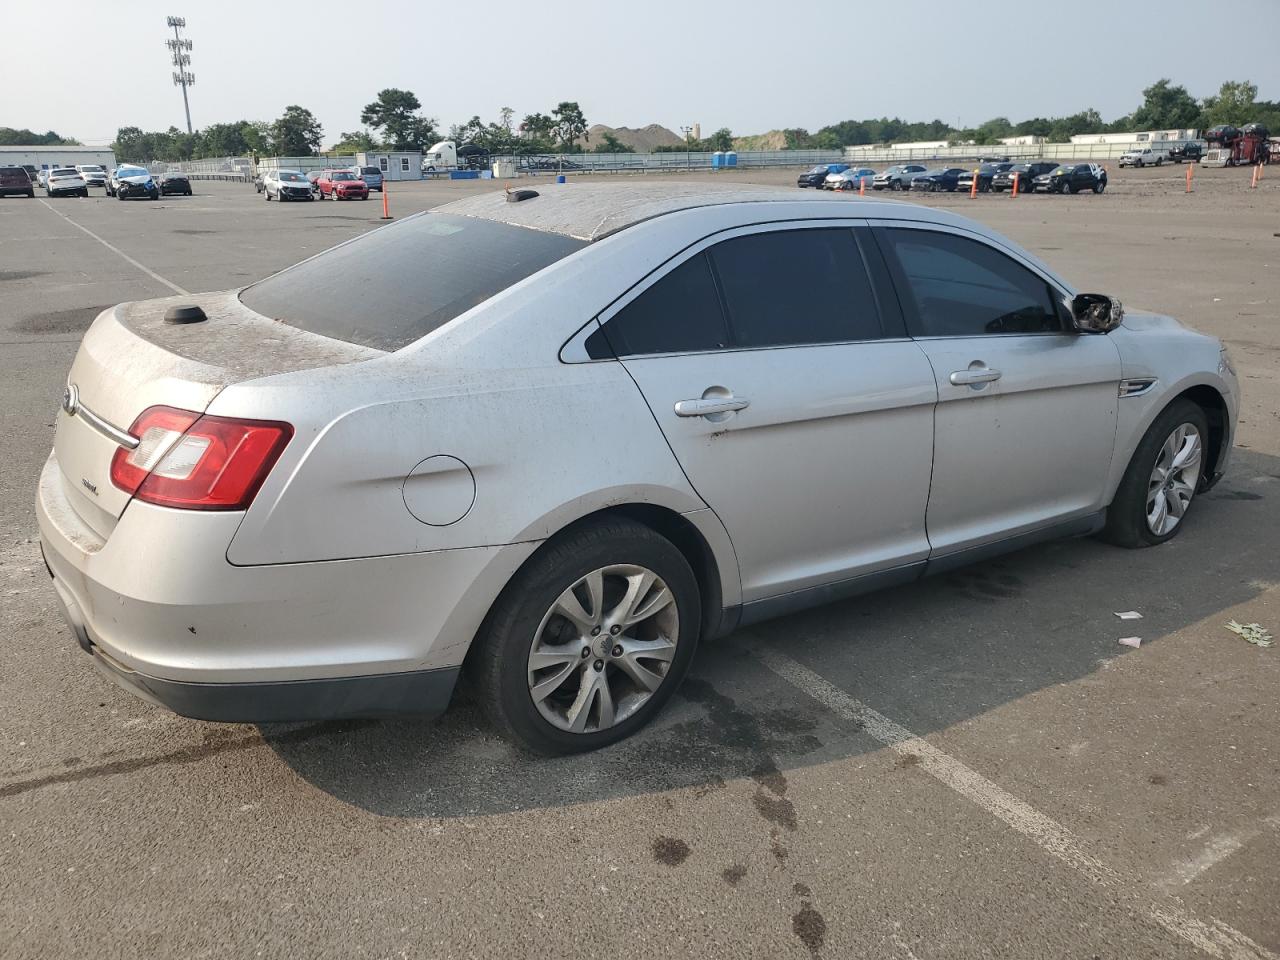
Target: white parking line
(1214,937)
(118,252)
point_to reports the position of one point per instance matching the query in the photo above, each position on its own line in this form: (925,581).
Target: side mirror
(1096,313)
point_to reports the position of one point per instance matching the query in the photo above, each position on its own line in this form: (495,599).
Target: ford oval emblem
(70,400)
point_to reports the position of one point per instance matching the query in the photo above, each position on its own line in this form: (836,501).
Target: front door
(805,426)
(1026,417)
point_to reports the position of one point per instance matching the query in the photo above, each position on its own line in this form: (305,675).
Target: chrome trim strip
(113,433)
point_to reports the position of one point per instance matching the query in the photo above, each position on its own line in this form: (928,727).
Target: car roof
(592,211)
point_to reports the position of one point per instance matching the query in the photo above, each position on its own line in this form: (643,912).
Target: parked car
(94,175)
(42,176)
(286,185)
(342,185)
(32,172)
(65,181)
(123,171)
(314,179)
(371,176)
(1072,179)
(348,517)
(134,182)
(941,178)
(14,181)
(1186,153)
(896,177)
(1144,157)
(850,179)
(986,173)
(815,176)
(1027,172)
(176,184)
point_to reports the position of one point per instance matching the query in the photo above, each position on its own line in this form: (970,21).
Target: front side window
(960,287)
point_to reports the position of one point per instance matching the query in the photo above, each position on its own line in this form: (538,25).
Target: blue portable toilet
(717,160)
(731,159)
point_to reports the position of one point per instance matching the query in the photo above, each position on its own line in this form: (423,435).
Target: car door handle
(710,406)
(974,375)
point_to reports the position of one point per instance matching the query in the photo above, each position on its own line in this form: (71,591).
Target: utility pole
(180,49)
(688,146)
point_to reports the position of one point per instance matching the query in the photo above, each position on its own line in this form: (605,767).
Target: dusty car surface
(559,439)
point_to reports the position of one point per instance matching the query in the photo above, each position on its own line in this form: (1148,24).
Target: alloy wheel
(1174,479)
(603,648)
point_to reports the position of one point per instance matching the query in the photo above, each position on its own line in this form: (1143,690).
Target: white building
(394,166)
(1138,136)
(43,158)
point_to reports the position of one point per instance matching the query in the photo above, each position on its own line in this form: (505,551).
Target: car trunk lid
(132,359)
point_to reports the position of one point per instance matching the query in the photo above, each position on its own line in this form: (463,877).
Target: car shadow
(929,655)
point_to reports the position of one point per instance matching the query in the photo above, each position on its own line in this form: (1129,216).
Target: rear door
(1026,416)
(801,418)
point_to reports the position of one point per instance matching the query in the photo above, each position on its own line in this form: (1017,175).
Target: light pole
(181,59)
(688,146)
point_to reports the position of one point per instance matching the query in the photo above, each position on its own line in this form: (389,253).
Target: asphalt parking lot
(966,767)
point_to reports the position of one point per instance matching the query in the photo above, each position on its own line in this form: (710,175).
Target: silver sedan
(557,439)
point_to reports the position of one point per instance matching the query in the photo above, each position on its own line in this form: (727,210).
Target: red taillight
(195,462)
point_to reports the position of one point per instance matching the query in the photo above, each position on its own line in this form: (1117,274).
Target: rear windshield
(400,282)
(369,170)
(12,171)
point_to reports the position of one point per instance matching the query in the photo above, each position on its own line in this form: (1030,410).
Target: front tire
(1161,480)
(589,639)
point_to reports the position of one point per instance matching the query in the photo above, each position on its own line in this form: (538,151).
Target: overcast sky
(749,65)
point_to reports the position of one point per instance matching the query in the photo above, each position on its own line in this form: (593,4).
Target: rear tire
(1128,519)
(524,617)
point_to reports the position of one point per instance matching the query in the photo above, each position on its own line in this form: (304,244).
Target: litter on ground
(1134,642)
(1129,615)
(1252,632)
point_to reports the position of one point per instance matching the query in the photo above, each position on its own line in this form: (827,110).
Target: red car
(16,180)
(342,185)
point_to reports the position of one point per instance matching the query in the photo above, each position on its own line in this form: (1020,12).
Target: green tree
(395,113)
(297,133)
(536,132)
(611,144)
(359,141)
(722,139)
(9,137)
(1234,104)
(570,125)
(1166,107)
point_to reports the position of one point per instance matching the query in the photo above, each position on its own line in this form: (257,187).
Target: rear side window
(395,285)
(796,287)
(678,314)
(961,287)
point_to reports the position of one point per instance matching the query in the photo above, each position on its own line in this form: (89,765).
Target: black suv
(817,176)
(1188,152)
(1027,172)
(1072,179)
(986,173)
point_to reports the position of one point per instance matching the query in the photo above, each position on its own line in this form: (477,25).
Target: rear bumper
(161,610)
